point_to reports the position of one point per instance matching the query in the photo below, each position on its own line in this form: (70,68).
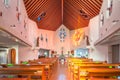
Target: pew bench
(98,72)
(101,79)
(76,69)
(50,62)
(29,73)
(47,68)
(13,79)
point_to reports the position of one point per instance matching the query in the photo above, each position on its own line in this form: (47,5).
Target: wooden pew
(50,65)
(28,73)
(72,62)
(13,79)
(50,62)
(101,79)
(45,66)
(74,68)
(77,68)
(78,65)
(86,73)
(98,65)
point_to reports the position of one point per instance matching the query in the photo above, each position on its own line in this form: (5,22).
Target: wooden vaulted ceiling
(73,14)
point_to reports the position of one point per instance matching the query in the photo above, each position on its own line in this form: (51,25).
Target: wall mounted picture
(41,37)
(25,23)
(101,19)
(18,14)
(109,8)
(78,37)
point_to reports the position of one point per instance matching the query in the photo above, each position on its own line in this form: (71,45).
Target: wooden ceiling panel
(77,13)
(52,9)
(73,14)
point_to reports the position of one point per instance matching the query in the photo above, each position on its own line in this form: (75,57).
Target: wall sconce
(41,16)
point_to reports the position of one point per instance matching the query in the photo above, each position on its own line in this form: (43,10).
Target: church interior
(59,39)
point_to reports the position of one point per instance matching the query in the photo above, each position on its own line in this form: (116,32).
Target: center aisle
(61,73)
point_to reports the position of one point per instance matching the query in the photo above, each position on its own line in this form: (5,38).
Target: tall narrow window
(62,34)
(6,2)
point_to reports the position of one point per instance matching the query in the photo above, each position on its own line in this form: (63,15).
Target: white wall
(25,54)
(110,24)
(98,52)
(32,32)
(58,44)
(28,34)
(50,39)
(9,19)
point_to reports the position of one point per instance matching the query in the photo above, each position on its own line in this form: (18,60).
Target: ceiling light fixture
(41,16)
(83,14)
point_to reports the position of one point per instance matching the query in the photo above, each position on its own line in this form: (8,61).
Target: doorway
(12,56)
(3,56)
(43,53)
(115,53)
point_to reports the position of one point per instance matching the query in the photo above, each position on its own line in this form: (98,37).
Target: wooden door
(13,55)
(115,53)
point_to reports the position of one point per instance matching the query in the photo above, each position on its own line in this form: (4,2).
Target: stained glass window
(62,34)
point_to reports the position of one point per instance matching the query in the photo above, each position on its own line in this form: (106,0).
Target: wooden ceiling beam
(72,17)
(73,14)
(35,8)
(99,2)
(79,6)
(79,23)
(51,12)
(29,3)
(91,6)
(53,20)
(96,4)
(25,1)
(43,8)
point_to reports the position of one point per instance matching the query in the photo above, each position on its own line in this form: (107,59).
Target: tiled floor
(61,73)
